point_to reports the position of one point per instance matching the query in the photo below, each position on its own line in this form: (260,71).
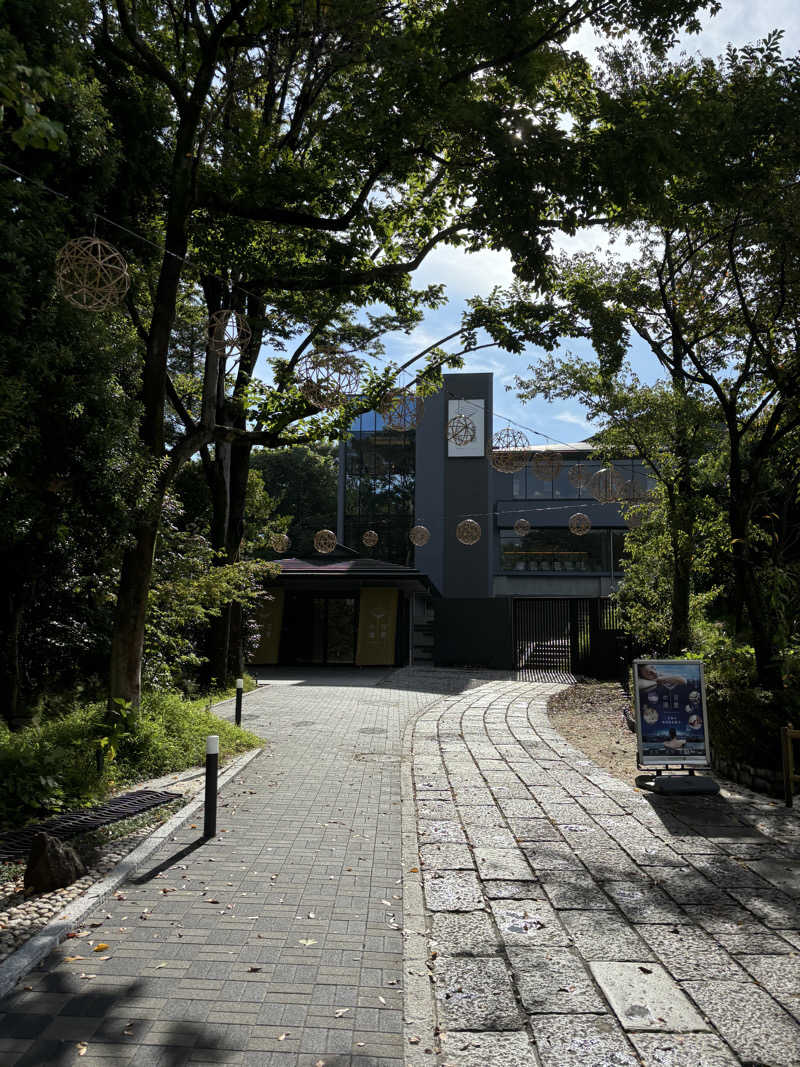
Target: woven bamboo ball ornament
(369,538)
(509,451)
(579,476)
(468,532)
(328,378)
(279,543)
(546,465)
(522,527)
(461,430)
(579,524)
(91,274)
(606,485)
(229,333)
(419,535)
(325,541)
(401,410)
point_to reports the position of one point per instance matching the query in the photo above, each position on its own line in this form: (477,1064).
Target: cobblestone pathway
(575,920)
(278,943)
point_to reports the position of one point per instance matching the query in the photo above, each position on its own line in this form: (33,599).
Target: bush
(51,767)
(744,720)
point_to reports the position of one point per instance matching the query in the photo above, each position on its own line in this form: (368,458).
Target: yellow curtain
(270,620)
(377,625)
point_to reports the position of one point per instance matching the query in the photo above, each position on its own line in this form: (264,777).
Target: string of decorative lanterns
(401,410)
(468,532)
(325,541)
(369,538)
(461,431)
(279,543)
(229,333)
(91,274)
(327,378)
(510,451)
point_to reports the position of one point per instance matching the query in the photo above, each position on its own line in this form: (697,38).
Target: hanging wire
(196,266)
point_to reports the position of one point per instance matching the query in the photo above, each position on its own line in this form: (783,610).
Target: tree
(327,132)
(714,288)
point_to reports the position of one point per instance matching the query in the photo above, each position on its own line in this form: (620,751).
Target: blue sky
(739,22)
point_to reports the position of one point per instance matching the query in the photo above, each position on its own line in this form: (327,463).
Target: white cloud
(573,420)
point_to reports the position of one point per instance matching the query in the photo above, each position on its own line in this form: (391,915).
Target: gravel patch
(594,717)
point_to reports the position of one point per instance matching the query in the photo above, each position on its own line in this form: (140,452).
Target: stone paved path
(575,920)
(278,943)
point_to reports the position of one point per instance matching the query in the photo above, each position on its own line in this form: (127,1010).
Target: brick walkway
(575,920)
(277,943)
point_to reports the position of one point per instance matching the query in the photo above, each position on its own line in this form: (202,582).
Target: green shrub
(47,768)
(744,720)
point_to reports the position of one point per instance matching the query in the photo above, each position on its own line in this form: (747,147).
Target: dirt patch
(592,717)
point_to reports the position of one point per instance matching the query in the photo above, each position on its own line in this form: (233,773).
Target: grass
(52,766)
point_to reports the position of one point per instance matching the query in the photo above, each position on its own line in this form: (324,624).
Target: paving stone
(554,980)
(784,874)
(777,974)
(687,886)
(683,1050)
(755,940)
(574,889)
(534,830)
(581,1041)
(611,865)
(465,1049)
(475,994)
(490,837)
(644,997)
(436,809)
(498,863)
(749,1020)
(773,907)
(442,856)
(643,903)
(520,809)
(448,831)
(550,856)
(727,918)
(514,890)
(604,935)
(728,872)
(689,953)
(464,934)
(481,815)
(528,923)
(453,891)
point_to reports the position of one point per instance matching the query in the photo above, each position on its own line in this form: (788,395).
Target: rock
(52,864)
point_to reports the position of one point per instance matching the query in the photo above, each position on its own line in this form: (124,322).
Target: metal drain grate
(16,844)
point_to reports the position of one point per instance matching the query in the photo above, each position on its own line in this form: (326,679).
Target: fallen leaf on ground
(341,1012)
(388,903)
(101,947)
(88,977)
(71,959)
(413,1041)
(252,970)
(82,1048)
(307,941)
(382,1000)
(282,1037)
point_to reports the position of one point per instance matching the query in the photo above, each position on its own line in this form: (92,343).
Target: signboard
(671,721)
(473,409)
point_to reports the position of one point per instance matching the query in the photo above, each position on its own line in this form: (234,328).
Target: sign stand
(671,718)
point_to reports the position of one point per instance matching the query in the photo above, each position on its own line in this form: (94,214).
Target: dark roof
(359,570)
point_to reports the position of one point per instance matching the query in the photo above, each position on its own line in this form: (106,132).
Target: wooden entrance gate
(577,635)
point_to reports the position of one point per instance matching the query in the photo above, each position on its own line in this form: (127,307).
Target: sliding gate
(579,635)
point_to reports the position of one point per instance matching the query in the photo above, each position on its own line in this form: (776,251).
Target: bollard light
(212,770)
(239,693)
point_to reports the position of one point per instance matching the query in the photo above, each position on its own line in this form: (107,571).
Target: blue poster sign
(671,721)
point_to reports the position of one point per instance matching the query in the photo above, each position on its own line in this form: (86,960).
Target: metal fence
(577,635)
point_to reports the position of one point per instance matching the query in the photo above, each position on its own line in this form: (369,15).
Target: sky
(739,22)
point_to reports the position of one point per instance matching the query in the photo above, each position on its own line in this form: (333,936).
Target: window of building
(549,550)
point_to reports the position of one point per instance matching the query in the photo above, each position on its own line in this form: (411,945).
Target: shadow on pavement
(170,861)
(59,1022)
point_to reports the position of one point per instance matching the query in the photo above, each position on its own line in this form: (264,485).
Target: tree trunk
(127,645)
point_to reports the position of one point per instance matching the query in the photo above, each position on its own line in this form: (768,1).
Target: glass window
(545,551)
(617,548)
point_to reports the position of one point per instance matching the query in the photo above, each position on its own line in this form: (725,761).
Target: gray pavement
(576,920)
(280,941)
(569,918)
